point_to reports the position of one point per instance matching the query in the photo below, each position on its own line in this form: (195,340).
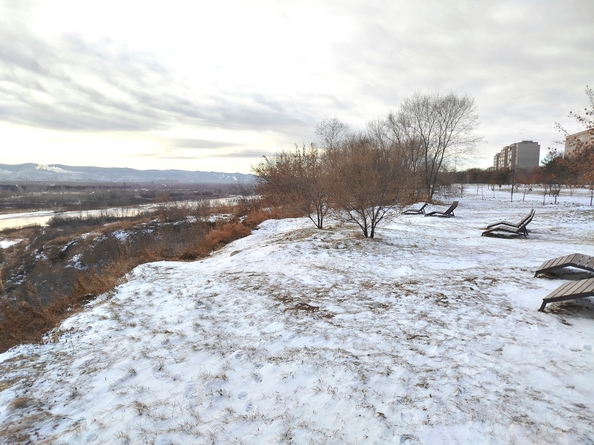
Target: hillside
(66,173)
(428,334)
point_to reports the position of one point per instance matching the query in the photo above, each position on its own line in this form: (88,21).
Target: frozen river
(16,220)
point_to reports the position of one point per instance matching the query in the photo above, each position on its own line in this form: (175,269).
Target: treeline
(575,169)
(396,160)
(556,170)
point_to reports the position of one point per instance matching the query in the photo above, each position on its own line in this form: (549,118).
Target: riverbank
(53,270)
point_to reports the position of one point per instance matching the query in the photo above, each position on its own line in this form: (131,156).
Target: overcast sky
(214,85)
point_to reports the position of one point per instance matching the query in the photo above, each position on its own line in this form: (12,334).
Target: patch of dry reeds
(25,316)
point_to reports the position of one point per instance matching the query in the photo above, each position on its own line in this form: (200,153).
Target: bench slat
(570,291)
(578,260)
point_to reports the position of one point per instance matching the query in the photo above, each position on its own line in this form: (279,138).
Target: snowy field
(428,334)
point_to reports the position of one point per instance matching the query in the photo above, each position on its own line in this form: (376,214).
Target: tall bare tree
(435,126)
(332,133)
(402,134)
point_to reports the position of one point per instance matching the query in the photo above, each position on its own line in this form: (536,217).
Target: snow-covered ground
(428,334)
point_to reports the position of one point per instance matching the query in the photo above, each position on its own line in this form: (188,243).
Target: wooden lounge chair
(508,224)
(449,212)
(577,260)
(415,211)
(504,231)
(570,291)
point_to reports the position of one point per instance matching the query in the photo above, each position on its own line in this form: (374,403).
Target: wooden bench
(414,211)
(577,260)
(516,225)
(449,212)
(498,230)
(570,291)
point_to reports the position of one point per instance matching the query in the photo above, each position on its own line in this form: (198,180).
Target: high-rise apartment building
(525,154)
(578,141)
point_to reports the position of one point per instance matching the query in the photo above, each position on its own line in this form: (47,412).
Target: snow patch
(6,243)
(50,169)
(121,235)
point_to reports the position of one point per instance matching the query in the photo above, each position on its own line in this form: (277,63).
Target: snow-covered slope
(428,334)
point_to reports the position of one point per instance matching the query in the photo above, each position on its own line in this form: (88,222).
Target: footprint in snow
(242,395)
(91,438)
(588,347)
(406,417)
(257,378)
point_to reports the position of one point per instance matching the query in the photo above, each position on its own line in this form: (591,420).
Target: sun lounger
(415,211)
(449,212)
(504,230)
(516,225)
(577,260)
(570,291)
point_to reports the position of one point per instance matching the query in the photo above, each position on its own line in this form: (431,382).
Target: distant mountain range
(66,173)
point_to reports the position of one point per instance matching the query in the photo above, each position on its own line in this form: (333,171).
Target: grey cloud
(457,45)
(202,143)
(194,148)
(183,154)
(244,154)
(11,56)
(72,84)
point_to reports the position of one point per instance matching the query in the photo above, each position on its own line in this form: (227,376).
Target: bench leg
(542,306)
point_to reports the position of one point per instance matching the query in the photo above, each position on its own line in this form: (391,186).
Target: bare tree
(369,178)
(435,126)
(332,133)
(313,183)
(402,134)
(298,179)
(274,179)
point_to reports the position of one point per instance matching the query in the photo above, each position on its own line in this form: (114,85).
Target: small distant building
(525,154)
(576,142)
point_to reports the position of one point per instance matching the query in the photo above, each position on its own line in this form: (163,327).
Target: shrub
(227,233)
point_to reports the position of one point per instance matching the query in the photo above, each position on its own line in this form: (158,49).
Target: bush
(224,235)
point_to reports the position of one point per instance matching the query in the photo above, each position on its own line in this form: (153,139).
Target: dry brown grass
(24,318)
(225,234)
(25,322)
(256,216)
